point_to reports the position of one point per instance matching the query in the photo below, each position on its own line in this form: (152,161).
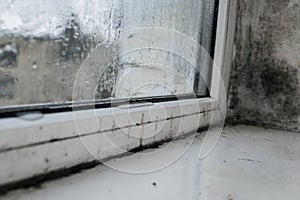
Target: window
(77,55)
(64,51)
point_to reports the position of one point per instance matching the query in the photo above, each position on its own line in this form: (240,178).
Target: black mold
(38,180)
(264,87)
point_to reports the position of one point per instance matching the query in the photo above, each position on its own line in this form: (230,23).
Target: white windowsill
(62,140)
(54,141)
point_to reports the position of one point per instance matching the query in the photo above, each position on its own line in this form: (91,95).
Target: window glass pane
(65,50)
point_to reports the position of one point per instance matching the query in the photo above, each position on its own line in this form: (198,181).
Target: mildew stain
(264,88)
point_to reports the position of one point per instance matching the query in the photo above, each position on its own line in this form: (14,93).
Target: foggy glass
(72,50)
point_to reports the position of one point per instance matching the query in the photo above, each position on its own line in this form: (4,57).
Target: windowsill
(234,170)
(58,141)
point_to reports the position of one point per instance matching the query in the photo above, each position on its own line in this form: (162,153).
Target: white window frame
(30,148)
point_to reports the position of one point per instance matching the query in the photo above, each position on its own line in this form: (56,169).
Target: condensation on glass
(61,51)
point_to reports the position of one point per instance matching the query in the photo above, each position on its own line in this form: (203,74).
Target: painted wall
(265,87)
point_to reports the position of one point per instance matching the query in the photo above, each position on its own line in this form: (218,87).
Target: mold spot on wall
(265,80)
(277,6)
(280,85)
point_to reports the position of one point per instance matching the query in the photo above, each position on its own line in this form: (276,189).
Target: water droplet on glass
(34,65)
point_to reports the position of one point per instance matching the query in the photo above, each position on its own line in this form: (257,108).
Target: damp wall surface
(265,79)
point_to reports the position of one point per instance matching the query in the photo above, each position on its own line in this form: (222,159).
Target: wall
(265,88)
